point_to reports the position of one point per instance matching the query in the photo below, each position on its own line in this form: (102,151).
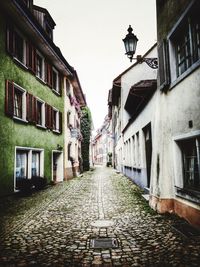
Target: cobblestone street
(54,227)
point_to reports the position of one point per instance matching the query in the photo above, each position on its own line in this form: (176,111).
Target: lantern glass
(130,42)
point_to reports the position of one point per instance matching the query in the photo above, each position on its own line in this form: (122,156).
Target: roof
(139,95)
(33,29)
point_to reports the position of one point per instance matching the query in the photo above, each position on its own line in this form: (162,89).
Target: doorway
(57,166)
(148,151)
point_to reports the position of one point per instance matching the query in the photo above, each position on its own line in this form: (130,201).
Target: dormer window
(48,30)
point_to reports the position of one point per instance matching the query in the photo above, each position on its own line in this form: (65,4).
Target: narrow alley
(97,219)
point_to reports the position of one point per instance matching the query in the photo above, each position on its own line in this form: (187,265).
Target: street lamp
(130,43)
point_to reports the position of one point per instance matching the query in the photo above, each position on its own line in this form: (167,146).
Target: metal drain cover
(102,223)
(104,243)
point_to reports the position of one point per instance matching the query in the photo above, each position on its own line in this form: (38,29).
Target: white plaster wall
(176,108)
(139,72)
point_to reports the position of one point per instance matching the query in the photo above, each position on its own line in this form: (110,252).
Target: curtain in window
(21,165)
(35,167)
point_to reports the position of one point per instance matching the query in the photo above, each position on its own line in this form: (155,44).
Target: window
(48,30)
(55,80)
(15,102)
(16,45)
(39,66)
(40,115)
(55,120)
(18,95)
(187,45)
(67,84)
(68,118)
(19,47)
(191,163)
(184,43)
(35,166)
(69,151)
(29,162)
(21,164)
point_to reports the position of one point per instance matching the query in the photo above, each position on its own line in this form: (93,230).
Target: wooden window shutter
(48,116)
(48,74)
(164,71)
(31,105)
(60,122)
(30,57)
(9,99)
(10,40)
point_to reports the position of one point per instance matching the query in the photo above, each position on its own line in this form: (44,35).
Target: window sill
(19,63)
(41,127)
(188,194)
(19,119)
(56,132)
(40,80)
(56,92)
(184,75)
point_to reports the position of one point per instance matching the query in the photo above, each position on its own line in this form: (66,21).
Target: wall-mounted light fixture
(130,43)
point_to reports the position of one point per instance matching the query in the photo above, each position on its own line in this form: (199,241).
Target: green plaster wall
(13,133)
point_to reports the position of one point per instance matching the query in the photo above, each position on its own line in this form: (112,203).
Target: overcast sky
(89,34)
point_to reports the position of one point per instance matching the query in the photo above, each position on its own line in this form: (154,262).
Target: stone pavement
(54,227)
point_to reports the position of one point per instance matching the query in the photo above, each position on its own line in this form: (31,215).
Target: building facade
(176,173)
(133,102)
(156,121)
(74,101)
(33,74)
(102,146)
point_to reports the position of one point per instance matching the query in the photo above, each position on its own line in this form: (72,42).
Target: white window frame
(29,163)
(42,125)
(43,70)
(23,103)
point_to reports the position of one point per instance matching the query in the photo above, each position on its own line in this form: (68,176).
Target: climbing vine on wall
(86,123)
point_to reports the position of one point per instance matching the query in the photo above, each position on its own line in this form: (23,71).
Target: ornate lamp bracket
(151,62)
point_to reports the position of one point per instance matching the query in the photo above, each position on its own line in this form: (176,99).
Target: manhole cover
(104,243)
(186,229)
(102,223)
